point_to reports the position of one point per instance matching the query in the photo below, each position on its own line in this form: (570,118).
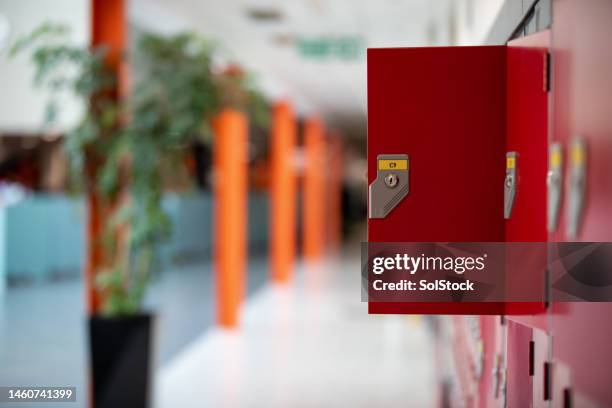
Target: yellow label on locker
(555,158)
(393,165)
(510,162)
(577,154)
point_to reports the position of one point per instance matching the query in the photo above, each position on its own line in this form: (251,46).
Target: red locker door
(519,365)
(527,137)
(445,108)
(582,92)
(542,371)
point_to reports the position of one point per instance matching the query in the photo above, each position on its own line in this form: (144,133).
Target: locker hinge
(547,74)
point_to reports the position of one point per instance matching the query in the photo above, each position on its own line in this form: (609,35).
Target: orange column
(108,29)
(314,190)
(283,193)
(334,192)
(230,213)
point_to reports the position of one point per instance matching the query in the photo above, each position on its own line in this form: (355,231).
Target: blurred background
(183,192)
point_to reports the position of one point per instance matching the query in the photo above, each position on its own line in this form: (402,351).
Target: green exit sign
(342,47)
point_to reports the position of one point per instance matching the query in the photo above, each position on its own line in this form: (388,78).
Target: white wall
(22,106)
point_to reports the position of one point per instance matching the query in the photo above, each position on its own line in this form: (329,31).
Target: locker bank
(505,143)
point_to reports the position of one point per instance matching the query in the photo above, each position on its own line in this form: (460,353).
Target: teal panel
(3,259)
(44,235)
(191,217)
(258,221)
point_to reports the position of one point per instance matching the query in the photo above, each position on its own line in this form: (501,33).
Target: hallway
(186,185)
(309,344)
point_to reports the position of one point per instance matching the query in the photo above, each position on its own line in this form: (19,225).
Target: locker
(523,352)
(582,93)
(527,134)
(477,348)
(428,104)
(445,108)
(454,113)
(520,365)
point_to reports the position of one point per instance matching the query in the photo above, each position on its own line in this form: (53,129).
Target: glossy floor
(307,344)
(310,343)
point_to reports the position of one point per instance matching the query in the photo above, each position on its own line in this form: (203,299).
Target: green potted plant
(172,100)
(120,162)
(100,162)
(117,154)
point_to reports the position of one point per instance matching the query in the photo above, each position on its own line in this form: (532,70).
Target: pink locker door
(582,93)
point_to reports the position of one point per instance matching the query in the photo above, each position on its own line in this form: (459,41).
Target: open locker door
(527,136)
(445,108)
(445,111)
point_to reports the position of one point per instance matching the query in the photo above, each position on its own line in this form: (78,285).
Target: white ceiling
(330,87)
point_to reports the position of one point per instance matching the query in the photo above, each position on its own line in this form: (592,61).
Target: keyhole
(391,180)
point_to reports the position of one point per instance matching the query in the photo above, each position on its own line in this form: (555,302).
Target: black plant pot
(121,351)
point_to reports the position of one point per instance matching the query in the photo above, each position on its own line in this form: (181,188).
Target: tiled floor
(309,344)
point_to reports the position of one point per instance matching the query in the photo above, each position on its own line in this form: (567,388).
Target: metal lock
(510,183)
(576,186)
(391,180)
(554,181)
(390,186)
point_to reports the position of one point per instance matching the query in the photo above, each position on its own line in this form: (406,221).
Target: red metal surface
(457,155)
(582,91)
(445,107)
(519,384)
(527,134)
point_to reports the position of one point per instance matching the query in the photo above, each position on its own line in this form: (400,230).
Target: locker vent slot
(531,358)
(547,381)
